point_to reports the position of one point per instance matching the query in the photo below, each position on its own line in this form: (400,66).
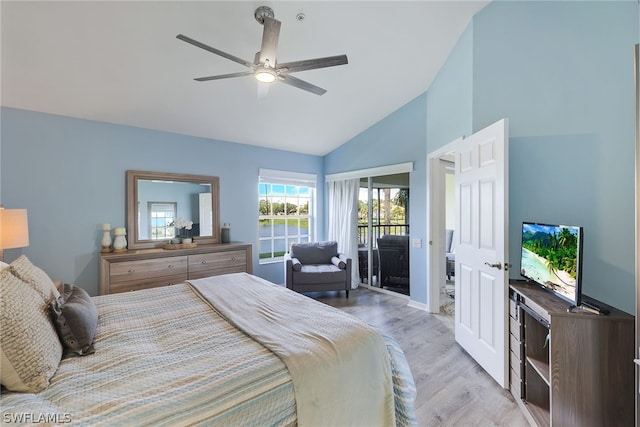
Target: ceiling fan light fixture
(265,75)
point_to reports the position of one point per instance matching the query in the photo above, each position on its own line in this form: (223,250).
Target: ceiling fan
(265,67)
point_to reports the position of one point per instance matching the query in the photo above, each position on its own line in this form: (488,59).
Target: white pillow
(31,352)
(35,277)
(3,265)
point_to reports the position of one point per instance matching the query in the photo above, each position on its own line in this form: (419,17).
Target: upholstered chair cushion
(314,253)
(319,273)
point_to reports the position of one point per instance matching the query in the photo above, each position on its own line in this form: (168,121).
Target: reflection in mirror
(160,203)
(156,202)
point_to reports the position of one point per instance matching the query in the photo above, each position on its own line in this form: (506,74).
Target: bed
(225,350)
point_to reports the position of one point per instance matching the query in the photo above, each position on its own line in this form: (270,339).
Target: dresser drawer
(145,269)
(514,327)
(216,263)
(152,282)
(515,346)
(515,384)
(513,309)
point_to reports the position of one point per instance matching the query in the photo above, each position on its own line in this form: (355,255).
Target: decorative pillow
(35,277)
(75,317)
(295,263)
(30,350)
(338,263)
(3,265)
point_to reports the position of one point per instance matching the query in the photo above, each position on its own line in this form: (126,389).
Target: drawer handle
(204,262)
(170,266)
(131,271)
(233,258)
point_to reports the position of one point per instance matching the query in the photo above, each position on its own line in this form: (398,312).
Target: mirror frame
(133,176)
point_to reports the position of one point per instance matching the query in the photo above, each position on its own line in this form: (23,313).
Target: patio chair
(393,252)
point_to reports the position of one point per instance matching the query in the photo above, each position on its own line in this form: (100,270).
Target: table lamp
(14,229)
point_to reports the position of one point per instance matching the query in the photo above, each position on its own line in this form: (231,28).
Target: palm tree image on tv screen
(550,256)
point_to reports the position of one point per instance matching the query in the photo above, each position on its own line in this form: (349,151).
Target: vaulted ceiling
(120,62)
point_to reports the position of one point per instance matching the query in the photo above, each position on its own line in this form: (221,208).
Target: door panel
(487,298)
(481,312)
(487,214)
(465,204)
(465,296)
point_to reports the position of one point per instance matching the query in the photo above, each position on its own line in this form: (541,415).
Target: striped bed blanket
(166,356)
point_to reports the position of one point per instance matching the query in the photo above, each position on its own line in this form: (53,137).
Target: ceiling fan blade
(311,64)
(224,76)
(301,84)
(270,36)
(214,50)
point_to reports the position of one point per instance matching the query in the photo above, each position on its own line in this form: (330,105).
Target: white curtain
(343,220)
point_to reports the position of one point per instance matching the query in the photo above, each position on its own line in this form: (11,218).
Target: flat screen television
(552,257)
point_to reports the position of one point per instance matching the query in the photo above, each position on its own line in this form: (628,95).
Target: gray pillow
(75,317)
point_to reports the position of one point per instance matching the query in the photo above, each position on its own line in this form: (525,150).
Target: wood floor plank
(453,390)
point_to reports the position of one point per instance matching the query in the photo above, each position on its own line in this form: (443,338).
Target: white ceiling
(120,62)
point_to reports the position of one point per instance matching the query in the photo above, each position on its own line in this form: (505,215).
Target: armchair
(317,266)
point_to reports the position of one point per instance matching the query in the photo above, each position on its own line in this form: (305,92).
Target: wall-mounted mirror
(156,201)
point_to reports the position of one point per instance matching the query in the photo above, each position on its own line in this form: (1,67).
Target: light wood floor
(453,390)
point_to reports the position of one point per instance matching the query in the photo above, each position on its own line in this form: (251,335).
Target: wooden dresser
(149,268)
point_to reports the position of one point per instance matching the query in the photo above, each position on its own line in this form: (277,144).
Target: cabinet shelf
(541,367)
(540,415)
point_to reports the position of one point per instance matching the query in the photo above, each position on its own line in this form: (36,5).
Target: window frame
(288,188)
(169,234)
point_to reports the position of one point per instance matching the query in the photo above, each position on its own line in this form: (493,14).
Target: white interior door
(481,285)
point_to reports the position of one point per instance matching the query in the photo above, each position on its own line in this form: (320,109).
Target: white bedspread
(339,365)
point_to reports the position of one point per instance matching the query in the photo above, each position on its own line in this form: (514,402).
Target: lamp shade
(14,228)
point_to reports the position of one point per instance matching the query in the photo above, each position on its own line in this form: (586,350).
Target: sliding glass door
(383,232)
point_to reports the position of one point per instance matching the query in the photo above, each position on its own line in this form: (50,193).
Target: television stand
(570,368)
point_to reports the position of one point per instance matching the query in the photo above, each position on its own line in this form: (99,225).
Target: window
(161,215)
(285,212)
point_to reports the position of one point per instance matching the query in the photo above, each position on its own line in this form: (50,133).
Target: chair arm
(288,270)
(347,261)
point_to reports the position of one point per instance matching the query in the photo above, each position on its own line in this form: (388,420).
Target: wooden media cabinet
(570,368)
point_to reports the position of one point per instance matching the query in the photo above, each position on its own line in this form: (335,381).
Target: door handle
(497,265)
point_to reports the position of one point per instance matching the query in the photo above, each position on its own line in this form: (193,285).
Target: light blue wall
(398,138)
(562,72)
(70,175)
(450,96)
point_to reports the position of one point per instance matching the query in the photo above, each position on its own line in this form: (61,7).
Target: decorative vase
(106,238)
(226,233)
(187,240)
(120,242)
